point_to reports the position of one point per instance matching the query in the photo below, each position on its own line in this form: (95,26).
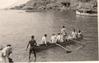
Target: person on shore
(6,52)
(53,38)
(74,34)
(79,35)
(44,39)
(32,43)
(59,37)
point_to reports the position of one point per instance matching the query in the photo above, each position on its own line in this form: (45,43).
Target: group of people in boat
(60,37)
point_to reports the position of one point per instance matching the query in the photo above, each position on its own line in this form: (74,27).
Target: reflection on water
(16,27)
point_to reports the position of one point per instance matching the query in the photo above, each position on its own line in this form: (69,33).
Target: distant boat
(84,12)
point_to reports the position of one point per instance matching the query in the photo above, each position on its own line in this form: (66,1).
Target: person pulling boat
(6,51)
(32,43)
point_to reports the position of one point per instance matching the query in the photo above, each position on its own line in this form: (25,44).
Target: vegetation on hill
(60,5)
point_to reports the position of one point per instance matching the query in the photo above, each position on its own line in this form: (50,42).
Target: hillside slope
(41,5)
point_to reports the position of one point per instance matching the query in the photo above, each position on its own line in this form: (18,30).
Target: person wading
(32,43)
(6,54)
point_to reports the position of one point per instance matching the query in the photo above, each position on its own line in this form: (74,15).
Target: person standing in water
(6,52)
(32,43)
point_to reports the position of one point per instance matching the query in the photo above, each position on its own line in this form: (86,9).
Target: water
(16,28)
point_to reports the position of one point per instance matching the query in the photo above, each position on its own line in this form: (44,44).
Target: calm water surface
(16,28)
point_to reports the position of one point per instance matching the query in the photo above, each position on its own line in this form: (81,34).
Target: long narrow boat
(52,45)
(86,13)
(49,45)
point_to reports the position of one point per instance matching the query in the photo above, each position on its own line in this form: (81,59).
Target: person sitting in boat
(63,31)
(44,39)
(53,38)
(65,38)
(79,35)
(74,34)
(59,37)
(69,37)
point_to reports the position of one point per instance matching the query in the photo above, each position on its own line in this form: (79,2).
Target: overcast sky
(7,3)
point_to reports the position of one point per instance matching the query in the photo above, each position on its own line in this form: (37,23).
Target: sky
(7,3)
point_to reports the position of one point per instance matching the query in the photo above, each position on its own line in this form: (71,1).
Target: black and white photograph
(48,31)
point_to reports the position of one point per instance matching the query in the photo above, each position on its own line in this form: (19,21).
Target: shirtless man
(32,43)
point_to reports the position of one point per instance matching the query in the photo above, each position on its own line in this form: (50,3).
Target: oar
(79,43)
(68,51)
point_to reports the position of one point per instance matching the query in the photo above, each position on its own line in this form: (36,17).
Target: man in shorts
(32,43)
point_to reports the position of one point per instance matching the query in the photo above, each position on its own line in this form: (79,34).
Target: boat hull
(48,46)
(85,14)
(52,45)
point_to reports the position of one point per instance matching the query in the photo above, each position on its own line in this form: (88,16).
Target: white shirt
(44,40)
(60,38)
(53,39)
(63,31)
(79,35)
(69,37)
(74,34)
(6,51)
(4,58)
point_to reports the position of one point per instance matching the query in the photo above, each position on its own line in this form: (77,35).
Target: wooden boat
(86,12)
(48,46)
(52,45)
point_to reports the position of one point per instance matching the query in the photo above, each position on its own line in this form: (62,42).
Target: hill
(45,5)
